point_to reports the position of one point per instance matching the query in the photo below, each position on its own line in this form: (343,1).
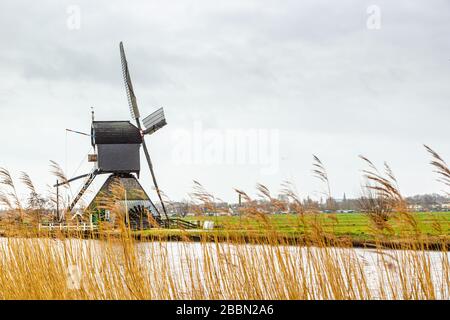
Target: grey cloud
(308,68)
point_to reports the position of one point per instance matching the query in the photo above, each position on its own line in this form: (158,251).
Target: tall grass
(116,263)
(440,167)
(125,268)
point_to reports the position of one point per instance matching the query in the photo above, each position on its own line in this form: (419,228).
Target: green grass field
(341,224)
(345,223)
(353,226)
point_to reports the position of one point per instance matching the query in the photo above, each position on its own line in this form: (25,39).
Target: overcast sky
(307,77)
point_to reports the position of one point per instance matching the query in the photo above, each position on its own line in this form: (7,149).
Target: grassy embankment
(355,227)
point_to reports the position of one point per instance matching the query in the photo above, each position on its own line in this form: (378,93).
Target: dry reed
(113,263)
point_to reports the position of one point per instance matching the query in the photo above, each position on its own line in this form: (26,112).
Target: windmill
(117,152)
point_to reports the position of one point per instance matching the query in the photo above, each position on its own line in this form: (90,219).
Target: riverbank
(432,231)
(438,243)
(431,243)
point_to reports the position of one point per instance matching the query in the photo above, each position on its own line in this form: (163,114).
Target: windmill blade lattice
(154,121)
(128,86)
(136,115)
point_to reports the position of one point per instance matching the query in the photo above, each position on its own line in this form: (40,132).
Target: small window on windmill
(92,158)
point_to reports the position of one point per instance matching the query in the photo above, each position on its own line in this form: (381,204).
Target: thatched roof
(133,193)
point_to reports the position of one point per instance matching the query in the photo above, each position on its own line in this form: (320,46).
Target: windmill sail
(129,87)
(154,121)
(135,114)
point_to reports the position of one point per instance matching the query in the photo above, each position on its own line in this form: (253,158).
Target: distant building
(415,207)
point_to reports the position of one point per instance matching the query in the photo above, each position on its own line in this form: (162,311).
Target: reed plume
(441,168)
(288,189)
(58,172)
(7,181)
(320,172)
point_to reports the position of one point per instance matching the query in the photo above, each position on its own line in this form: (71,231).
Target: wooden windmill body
(117,147)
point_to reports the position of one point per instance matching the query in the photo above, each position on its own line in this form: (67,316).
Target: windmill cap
(115,132)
